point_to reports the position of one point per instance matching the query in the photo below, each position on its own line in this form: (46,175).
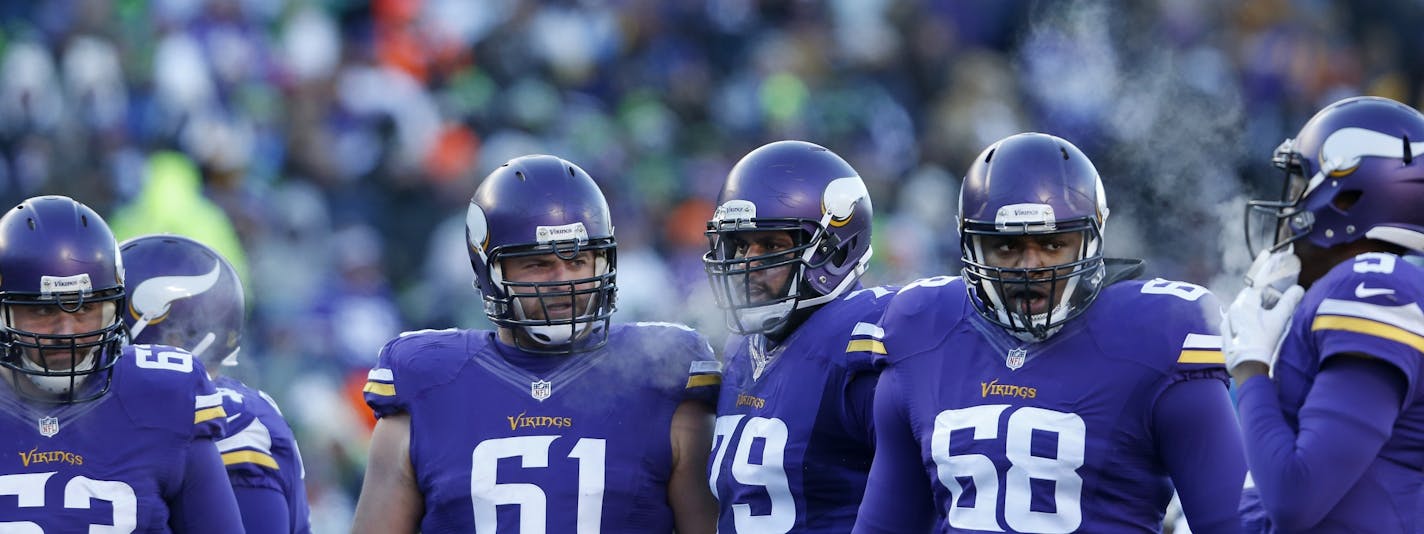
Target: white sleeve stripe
(1407,317)
(255,436)
(424,331)
(705,366)
(1202,341)
(207,401)
(868,329)
(678,326)
(381,375)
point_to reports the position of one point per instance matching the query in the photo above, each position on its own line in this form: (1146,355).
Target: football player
(183,293)
(1326,342)
(558,420)
(99,436)
(787,245)
(1046,390)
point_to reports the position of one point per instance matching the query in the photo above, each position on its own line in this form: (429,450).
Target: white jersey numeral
(170,360)
(79,493)
(533,452)
(769,474)
(1061,469)
(1181,290)
(1375,262)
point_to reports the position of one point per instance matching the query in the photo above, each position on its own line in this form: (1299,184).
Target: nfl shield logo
(541,389)
(1015,358)
(49,426)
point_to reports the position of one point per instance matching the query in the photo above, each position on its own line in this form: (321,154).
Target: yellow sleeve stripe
(1201,356)
(377,388)
(248,457)
(697,381)
(208,414)
(866,345)
(1369,328)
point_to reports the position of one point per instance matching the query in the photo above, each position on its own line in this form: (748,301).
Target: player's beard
(763,287)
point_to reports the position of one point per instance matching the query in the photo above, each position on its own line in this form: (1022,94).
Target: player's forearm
(1201,448)
(694,508)
(898,496)
(263,510)
(1343,424)
(206,502)
(390,501)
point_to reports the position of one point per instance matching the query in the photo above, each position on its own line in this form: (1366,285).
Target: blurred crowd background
(329,147)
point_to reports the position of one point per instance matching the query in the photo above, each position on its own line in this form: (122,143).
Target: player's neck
(793,321)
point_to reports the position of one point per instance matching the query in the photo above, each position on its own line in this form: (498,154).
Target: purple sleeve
(205,502)
(1346,418)
(898,496)
(859,407)
(380,391)
(704,375)
(1200,445)
(263,510)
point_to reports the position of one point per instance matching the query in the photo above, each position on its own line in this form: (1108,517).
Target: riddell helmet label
(737,213)
(1031,217)
(567,232)
(78,283)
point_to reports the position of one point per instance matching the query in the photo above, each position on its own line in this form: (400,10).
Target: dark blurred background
(329,147)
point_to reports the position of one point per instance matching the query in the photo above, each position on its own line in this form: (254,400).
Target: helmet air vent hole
(520,175)
(1345,200)
(988,156)
(1065,153)
(84,220)
(571,171)
(1408,151)
(32,223)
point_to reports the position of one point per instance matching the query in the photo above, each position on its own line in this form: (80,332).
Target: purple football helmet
(817,197)
(1353,172)
(537,205)
(184,294)
(1032,184)
(58,256)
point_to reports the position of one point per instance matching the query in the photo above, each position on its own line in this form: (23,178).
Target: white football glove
(1254,324)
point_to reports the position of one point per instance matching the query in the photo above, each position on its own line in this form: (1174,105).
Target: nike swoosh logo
(1362,292)
(233,417)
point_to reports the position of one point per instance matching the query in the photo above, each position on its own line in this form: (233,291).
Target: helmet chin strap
(58,385)
(559,334)
(756,319)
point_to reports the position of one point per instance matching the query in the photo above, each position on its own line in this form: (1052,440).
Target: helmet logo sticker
(737,214)
(1026,217)
(78,283)
(567,232)
(1342,151)
(150,300)
(476,229)
(840,198)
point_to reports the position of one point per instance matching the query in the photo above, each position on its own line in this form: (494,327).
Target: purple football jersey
(1055,436)
(580,446)
(259,449)
(108,464)
(1369,305)
(791,452)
